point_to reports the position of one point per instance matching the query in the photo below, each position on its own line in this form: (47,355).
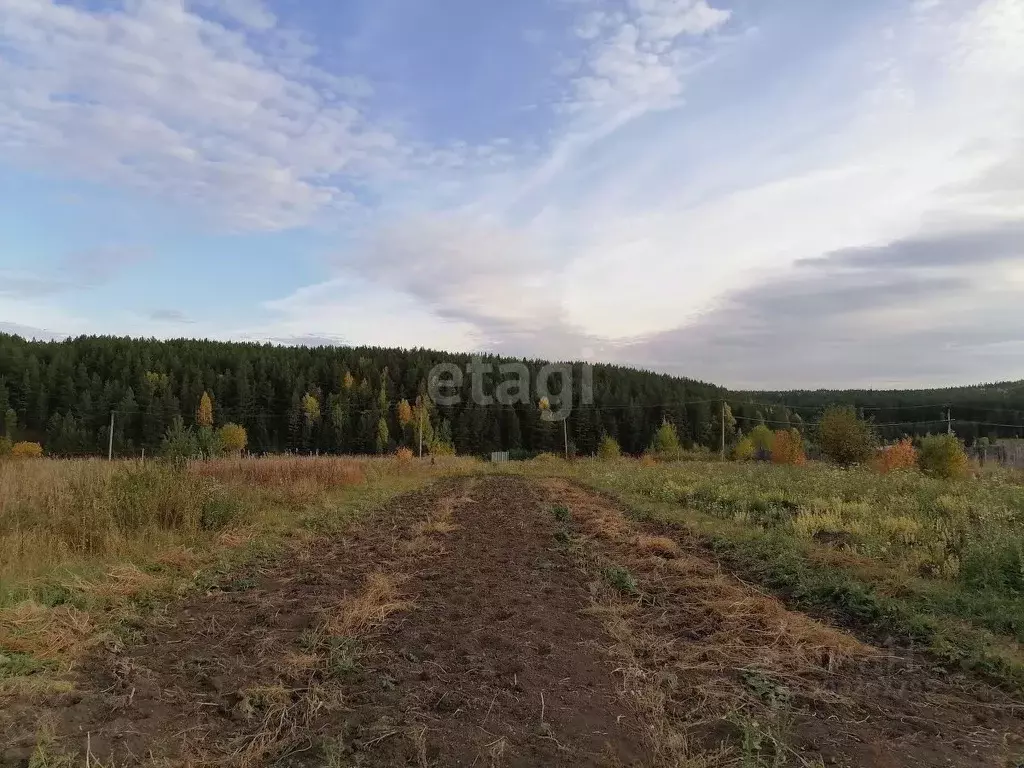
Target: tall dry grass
(56,513)
(67,514)
(79,540)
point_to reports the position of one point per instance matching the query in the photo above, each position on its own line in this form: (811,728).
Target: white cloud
(638,55)
(251,13)
(646,227)
(361,313)
(624,234)
(153,96)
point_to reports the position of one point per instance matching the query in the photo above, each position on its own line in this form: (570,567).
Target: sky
(764,194)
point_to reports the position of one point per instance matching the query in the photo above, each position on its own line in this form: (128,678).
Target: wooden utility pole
(723,430)
(110,439)
(949,421)
(565,436)
(422,410)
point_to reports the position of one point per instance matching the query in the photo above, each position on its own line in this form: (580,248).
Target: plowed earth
(509,622)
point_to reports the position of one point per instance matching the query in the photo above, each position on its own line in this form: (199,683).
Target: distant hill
(63,393)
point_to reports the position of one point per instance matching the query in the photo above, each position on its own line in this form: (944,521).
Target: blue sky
(762,193)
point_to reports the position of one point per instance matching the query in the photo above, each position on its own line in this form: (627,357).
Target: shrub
(233,438)
(943,456)
(5,446)
(744,450)
(665,446)
(403,454)
(788,448)
(609,448)
(845,438)
(179,441)
(902,455)
(762,439)
(26,450)
(442,448)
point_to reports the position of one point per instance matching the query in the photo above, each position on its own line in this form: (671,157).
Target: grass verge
(964,626)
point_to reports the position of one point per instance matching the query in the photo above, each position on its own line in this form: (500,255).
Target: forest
(65,395)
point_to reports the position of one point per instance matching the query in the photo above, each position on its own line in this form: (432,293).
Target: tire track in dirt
(499,664)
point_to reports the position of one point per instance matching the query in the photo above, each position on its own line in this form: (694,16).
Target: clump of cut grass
(658,545)
(367,610)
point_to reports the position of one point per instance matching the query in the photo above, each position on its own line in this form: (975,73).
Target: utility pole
(422,410)
(565,436)
(110,439)
(723,430)
(949,421)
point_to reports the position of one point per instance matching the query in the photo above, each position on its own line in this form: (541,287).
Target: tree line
(322,399)
(373,400)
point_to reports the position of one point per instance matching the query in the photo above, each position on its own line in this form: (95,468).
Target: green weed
(621,579)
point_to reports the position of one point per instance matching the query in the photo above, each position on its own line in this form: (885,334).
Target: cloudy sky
(761,193)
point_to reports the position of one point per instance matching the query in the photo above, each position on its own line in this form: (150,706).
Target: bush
(845,438)
(902,455)
(788,448)
(744,450)
(179,441)
(403,454)
(233,438)
(609,448)
(665,446)
(26,450)
(762,439)
(442,448)
(5,446)
(943,456)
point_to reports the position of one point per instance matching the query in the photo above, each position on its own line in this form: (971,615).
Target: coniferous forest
(364,400)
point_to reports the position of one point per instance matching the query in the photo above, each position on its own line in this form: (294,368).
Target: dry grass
(686,686)
(285,471)
(77,537)
(358,615)
(45,633)
(658,545)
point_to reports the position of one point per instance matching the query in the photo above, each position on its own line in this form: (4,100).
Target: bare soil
(469,624)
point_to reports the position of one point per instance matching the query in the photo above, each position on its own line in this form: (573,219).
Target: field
(377,612)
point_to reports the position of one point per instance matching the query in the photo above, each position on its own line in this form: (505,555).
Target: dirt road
(509,622)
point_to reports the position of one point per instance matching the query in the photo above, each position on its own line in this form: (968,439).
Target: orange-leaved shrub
(902,455)
(403,454)
(788,447)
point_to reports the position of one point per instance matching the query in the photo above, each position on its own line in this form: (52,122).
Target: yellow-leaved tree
(608,449)
(744,450)
(233,438)
(204,413)
(310,408)
(405,414)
